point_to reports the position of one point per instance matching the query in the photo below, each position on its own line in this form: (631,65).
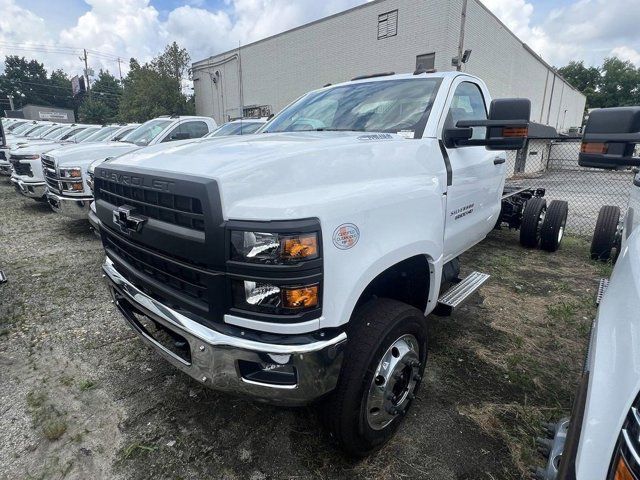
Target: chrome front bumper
(215,357)
(35,190)
(76,208)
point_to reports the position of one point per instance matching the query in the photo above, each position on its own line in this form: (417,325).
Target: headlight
(275,299)
(74,172)
(273,248)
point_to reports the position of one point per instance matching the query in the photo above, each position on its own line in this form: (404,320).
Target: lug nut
(417,377)
(202,348)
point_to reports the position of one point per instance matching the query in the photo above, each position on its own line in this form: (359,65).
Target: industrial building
(380,36)
(41,112)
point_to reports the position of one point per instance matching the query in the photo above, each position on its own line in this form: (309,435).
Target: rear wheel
(555,221)
(606,242)
(532,219)
(384,361)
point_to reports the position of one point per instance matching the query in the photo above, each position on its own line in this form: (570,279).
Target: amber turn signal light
(302,297)
(511,132)
(597,147)
(300,246)
(622,471)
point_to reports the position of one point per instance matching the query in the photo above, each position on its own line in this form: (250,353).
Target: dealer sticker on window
(346,236)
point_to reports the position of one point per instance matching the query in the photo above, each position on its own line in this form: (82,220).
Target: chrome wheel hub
(393,383)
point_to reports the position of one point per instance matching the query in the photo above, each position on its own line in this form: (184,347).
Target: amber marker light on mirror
(511,132)
(593,147)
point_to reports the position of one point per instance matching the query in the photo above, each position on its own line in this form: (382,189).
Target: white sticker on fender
(346,236)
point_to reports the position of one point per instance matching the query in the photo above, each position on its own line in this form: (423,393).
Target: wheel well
(406,281)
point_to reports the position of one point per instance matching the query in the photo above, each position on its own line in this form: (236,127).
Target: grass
(136,448)
(563,311)
(52,423)
(87,384)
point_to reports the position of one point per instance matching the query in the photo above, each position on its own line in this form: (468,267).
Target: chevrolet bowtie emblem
(128,221)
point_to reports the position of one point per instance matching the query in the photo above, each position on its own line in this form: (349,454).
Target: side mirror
(507,126)
(610,138)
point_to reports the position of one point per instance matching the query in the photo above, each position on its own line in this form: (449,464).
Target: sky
(56,31)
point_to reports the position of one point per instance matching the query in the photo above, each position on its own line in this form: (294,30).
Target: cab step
(459,293)
(602,287)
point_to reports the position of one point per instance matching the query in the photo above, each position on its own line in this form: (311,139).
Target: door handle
(499,161)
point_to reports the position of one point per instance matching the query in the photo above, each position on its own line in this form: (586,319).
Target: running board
(459,293)
(602,287)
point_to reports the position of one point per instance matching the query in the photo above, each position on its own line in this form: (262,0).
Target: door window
(468,104)
(187,130)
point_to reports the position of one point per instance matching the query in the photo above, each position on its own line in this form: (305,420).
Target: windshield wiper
(329,129)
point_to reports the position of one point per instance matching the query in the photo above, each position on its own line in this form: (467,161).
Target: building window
(426,61)
(388,24)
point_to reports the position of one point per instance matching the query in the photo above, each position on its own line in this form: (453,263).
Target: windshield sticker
(346,236)
(376,136)
(407,134)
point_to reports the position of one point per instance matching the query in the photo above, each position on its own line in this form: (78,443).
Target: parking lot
(81,397)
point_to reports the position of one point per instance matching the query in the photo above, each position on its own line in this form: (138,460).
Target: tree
(173,62)
(94,110)
(108,91)
(151,90)
(619,85)
(585,79)
(27,81)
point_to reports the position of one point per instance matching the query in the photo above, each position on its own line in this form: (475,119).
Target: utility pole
(463,19)
(120,68)
(10,97)
(86,70)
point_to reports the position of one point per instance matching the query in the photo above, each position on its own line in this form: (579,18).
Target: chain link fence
(552,164)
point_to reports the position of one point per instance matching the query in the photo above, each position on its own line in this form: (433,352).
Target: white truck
(66,169)
(298,265)
(27,176)
(601,440)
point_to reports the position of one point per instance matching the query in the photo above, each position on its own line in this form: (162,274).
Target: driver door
(477,174)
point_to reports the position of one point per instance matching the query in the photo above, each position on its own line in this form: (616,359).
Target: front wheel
(384,361)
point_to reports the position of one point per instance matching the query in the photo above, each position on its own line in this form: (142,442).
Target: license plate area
(167,339)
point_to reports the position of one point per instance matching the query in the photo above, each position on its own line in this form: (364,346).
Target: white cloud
(626,53)
(586,30)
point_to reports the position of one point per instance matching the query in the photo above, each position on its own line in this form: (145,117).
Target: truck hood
(261,173)
(83,154)
(34,149)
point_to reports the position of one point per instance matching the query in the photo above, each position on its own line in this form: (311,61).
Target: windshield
(53,132)
(235,128)
(22,128)
(70,133)
(15,125)
(146,132)
(382,106)
(27,131)
(83,135)
(101,134)
(123,133)
(48,129)
(37,131)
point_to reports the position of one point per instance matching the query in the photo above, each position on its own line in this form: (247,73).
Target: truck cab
(299,265)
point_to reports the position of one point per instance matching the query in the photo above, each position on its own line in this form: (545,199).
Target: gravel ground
(80,397)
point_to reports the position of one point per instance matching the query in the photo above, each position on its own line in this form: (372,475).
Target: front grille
(2,155)
(167,207)
(50,175)
(21,168)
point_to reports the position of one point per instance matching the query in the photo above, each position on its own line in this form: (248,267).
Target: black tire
(374,328)
(531,218)
(604,236)
(553,226)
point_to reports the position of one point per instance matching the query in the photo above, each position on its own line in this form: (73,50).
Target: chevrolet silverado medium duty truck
(298,265)
(27,176)
(601,440)
(66,169)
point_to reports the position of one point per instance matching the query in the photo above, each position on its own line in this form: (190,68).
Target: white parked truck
(298,265)
(66,169)
(601,440)
(27,176)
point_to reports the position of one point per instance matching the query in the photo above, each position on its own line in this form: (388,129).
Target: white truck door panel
(477,174)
